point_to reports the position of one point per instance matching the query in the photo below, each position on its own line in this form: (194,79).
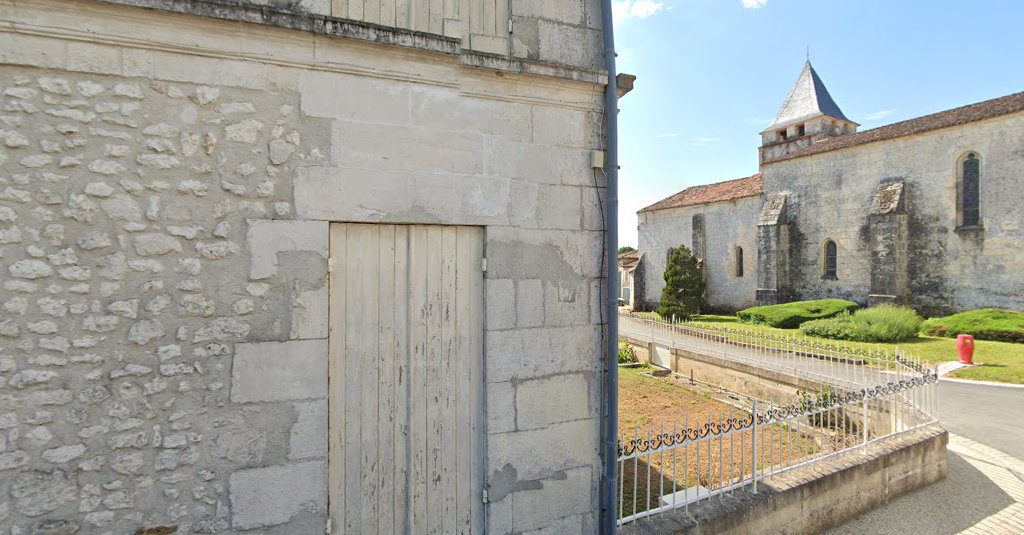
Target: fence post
(865,430)
(753,448)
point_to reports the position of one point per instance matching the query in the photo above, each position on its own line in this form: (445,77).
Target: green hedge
(791,315)
(883,323)
(983,324)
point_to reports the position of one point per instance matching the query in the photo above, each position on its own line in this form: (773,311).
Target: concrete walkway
(836,371)
(984,491)
(983,494)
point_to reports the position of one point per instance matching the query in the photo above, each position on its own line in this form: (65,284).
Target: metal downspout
(609,435)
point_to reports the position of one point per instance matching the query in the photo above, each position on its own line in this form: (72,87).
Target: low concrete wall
(767,385)
(818,497)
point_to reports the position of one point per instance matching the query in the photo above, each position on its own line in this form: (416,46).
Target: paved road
(991,415)
(834,371)
(984,491)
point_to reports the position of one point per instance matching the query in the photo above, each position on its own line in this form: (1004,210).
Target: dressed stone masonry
(167,183)
(889,202)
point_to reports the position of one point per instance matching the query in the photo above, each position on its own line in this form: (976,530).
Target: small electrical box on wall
(597,159)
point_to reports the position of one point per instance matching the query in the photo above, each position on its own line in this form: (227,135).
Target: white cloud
(671,134)
(878,115)
(634,9)
(703,141)
(754,4)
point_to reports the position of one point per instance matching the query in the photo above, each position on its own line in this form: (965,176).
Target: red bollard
(965,348)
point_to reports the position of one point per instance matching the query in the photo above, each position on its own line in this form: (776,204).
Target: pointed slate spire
(807,99)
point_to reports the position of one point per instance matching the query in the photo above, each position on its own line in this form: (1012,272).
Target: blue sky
(711,74)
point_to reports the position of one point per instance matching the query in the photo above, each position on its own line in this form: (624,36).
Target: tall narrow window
(970,191)
(668,258)
(801,131)
(739,261)
(830,260)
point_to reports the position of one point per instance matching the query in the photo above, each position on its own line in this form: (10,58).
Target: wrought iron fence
(865,396)
(835,363)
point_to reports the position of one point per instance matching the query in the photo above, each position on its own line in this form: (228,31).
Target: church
(924,212)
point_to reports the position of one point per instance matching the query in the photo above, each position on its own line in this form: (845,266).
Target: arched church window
(969,190)
(739,261)
(830,260)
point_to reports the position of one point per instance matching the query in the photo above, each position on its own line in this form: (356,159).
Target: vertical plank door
(406,379)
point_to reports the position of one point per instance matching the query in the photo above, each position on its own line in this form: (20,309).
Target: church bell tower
(808,116)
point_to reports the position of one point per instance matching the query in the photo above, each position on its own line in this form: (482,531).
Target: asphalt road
(992,415)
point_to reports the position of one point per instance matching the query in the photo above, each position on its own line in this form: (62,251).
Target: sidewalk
(835,371)
(983,495)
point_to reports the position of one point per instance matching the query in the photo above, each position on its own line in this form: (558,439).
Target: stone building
(923,212)
(629,262)
(284,266)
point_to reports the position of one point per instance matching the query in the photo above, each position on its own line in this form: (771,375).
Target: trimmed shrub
(791,315)
(983,324)
(883,323)
(683,295)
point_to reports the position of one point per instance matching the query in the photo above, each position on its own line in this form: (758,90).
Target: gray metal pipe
(609,435)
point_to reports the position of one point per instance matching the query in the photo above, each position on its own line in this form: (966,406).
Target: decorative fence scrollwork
(865,395)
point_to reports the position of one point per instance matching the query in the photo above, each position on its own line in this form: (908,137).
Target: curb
(953,365)
(980,383)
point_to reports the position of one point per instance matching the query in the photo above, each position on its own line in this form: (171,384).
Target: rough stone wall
(831,194)
(726,225)
(166,187)
(126,205)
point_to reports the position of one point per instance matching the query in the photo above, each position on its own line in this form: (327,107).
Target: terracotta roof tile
(629,261)
(708,193)
(966,114)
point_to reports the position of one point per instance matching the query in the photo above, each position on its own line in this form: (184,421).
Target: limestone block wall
(830,196)
(552,32)
(166,187)
(726,225)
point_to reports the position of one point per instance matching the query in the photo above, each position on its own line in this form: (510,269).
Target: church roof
(944,119)
(808,99)
(708,193)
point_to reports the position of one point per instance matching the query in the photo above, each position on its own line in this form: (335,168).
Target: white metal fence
(866,395)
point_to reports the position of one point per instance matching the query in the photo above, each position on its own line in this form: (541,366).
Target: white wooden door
(406,379)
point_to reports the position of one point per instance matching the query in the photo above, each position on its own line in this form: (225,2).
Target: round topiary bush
(984,324)
(791,315)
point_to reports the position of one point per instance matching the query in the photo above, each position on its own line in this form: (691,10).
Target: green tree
(683,295)
(626,249)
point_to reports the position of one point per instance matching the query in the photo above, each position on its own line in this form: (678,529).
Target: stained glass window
(831,259)
(970,194)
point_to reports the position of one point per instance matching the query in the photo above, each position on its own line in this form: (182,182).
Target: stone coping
(816,497)
(243,11)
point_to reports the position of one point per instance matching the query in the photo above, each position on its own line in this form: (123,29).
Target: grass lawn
(999,361)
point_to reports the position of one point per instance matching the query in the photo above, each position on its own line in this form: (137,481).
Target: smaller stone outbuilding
(629,272)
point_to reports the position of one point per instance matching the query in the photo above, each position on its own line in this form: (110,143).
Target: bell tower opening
(808,115)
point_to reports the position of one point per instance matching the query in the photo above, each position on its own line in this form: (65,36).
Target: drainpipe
(609,434)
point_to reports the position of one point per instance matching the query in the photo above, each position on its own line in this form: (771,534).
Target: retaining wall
(817,497)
